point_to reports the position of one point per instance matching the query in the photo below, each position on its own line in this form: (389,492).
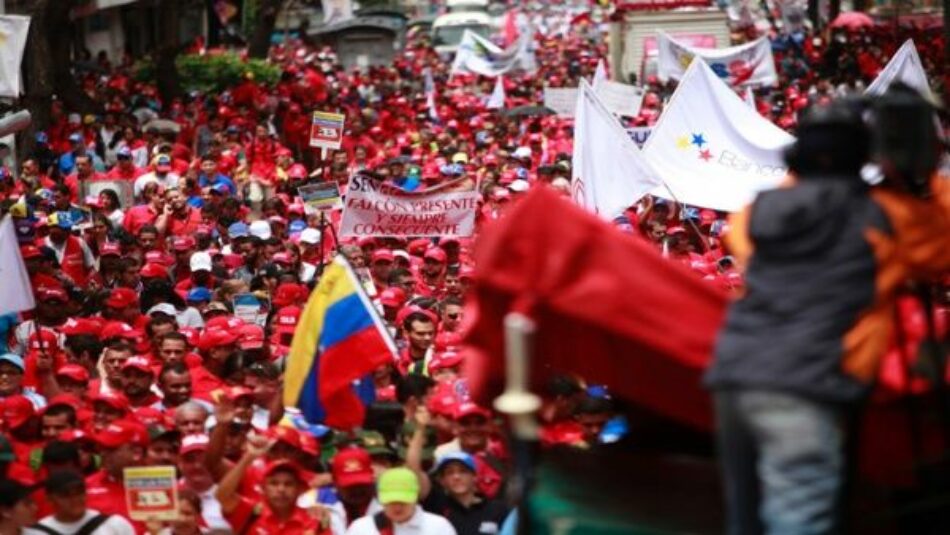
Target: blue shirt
(218,179)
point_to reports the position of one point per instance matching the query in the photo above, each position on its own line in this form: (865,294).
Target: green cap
(398,485)
(374,443)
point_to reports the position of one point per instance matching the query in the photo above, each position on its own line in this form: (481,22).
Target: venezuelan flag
(339,339)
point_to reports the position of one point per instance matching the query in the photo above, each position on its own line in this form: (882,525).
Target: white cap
(164,308)
(310,236)
(522,152)
(200,261)
(519,186)
(261,229)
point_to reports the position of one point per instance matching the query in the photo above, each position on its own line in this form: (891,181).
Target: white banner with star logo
(13,32)
(711,149)
(749,64)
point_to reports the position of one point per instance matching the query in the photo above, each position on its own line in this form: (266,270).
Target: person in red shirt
(84,171)
(432,273)
(178,217)
(137,379)
(19,417)
(125,169)
(121,445)
(141,215)
(277,513)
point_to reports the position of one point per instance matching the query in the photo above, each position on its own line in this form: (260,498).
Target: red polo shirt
(244,520)
(184,226)
(139,216)
(203,383)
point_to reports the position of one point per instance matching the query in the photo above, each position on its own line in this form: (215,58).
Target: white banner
(13,32)
(905,67)
(711,149)
(562,100)
(16,294)
(610,173)
(337,10)
(620,99)
(382,210)
(748,64)
(478,55)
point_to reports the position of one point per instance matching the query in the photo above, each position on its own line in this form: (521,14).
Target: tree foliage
(213,72)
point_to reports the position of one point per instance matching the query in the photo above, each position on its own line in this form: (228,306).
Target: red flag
(608,307)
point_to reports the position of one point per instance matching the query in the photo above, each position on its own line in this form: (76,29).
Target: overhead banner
(381,210)
(711,149)
(748,64)
(562,100)
(478,55)
(13,32)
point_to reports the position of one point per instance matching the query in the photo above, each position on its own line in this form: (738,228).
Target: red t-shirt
(139,216)
(184,226)
(203,383)
(244,520)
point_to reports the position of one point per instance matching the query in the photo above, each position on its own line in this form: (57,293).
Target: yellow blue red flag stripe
(339,339)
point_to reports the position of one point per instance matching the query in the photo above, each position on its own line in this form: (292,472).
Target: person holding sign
(278,513)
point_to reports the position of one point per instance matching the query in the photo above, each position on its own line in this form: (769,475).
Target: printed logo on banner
(697,143)
(326,131)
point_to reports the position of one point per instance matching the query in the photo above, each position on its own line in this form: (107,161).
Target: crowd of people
(134,354)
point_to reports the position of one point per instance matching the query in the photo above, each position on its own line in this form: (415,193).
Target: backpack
(88,528)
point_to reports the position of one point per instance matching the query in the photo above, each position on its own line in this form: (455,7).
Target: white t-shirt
(421,523)
(114,525)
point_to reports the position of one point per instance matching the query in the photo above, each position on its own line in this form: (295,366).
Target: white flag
(478,55)
(496,100)
(711,149)
(16,294)
(748,64)
(337,10)
(609,172)
(13,32)
(905,67)
(600,74)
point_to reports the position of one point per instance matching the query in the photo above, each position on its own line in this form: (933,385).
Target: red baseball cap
(73,435)
(110,249)
(237,392)
(393,297)
(224,323)
(151,271)
(114,399)
(282,258)
(194,442)
(122,298)
(352,466)
(285,322)
(284,465)
(44,339)
(137,363)
(118,329)
(48,293)
(212,338)
(287,435)
(470,409)
(437,254)
(158,257)
(77,326)
(121,432)
(183,243)
(384,255)
(443,403)
(17,410)
(446,340)
(288,293)
(73,371)
(251,336)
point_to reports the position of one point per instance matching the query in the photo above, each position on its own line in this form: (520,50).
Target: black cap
(62,481)
(13,492)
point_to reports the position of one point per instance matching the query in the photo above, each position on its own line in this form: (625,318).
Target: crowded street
(470,267)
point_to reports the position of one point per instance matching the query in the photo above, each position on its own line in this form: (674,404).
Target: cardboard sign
(320,197)
(326,130)
(620,99)
(250,309)
(382,210)
(151,493)
(562,100)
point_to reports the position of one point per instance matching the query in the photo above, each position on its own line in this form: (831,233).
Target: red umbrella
(852,20)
